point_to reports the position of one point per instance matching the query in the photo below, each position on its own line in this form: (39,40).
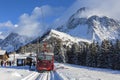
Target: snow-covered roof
(21,56)
(2,52)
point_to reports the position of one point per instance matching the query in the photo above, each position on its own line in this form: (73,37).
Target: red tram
(45,60)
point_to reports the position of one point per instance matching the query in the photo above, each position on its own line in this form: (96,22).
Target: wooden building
(3,55)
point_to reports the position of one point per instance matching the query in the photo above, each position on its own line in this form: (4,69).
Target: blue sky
(13,9)
(26,14)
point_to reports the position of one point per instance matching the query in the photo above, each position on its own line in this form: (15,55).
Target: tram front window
(48,57)
(45,57)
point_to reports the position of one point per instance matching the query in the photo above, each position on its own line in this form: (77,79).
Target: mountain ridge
(92,28)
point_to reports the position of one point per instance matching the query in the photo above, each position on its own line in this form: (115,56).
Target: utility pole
(38,46)
(24,49)
(14,53)
(14,58)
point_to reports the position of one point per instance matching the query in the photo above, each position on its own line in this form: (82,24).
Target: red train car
(45,61)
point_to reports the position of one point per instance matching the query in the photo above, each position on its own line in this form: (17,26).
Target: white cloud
(47,11)
(6,24)
(32,24)
(16,25)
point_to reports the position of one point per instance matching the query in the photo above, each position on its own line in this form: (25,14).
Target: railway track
(47,75)
(44,76)
(32,76)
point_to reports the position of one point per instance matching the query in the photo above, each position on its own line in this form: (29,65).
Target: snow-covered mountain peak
(66,38)
(91,28)
(79,13)
(81,9)
(13,41)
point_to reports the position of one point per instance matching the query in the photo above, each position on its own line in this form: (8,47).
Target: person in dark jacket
(30,64)
(9,63)
(1,63)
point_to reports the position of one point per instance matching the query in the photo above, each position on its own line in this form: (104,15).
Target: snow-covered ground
(61,72)
(75,72)
(14,73)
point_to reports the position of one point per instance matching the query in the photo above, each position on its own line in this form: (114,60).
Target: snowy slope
(76,72)
(14,73)
(68,39)
(61,72)
(91,27)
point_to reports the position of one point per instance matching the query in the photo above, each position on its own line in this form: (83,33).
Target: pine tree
(82,54)
(74,57)
(117,46)
(91,58)
(100,57)
(116,56)
(104,56)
